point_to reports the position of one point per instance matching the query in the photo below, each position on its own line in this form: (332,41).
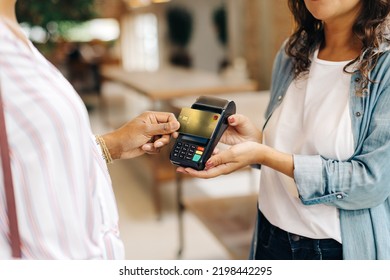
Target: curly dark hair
(369,29)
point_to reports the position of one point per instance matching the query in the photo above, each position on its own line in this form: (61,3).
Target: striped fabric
(65,203)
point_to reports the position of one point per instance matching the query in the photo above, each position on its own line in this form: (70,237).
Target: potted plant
(41,13)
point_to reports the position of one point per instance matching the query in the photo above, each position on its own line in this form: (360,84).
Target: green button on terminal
(196,158)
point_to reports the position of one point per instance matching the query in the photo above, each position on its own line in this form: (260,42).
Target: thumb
(163,128)
(237,119)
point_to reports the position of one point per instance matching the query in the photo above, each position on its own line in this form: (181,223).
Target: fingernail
(146,148)
(209,164)
(231,119)
(159,144)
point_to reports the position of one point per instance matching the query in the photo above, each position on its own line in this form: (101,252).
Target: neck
(338,35)
(7,10)
(340,42)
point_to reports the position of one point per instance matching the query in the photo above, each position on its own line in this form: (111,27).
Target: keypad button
(196,158)
(188,151)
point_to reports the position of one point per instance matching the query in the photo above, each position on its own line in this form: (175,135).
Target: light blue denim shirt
(360,186)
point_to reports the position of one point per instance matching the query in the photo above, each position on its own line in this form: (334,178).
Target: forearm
(276,160)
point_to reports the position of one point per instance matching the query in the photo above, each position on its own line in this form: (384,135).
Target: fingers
(237,119)
(218,164)
(154,147)
(163,123)
(163,128)
(207,173)
(150,148)
(219,159)
(163,117)
(164,140)
(204,174)
(175,135)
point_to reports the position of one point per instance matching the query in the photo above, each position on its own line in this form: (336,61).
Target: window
(140,50)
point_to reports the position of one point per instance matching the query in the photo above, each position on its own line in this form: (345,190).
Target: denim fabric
(274,243)
(360,186)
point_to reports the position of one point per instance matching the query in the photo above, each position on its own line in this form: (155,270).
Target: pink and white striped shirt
(65,202)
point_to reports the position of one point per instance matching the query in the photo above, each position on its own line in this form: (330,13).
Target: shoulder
(381,70)
(281,55)
(384,58)
(3,27)
(283,65)
(9,44)
(282,61)
(5,34)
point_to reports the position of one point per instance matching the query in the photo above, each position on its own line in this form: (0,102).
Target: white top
(65,203)
(313,119)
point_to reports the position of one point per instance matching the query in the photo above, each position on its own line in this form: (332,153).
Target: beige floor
(145,236)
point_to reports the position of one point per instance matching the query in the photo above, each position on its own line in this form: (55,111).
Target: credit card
(197,122)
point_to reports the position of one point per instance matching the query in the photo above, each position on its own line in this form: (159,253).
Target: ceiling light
(137,3)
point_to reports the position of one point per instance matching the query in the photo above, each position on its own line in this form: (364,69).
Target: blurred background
(127,56)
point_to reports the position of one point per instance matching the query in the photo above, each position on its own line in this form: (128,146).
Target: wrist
(256,139)
(259,136)
(257,160)
(112,144)
(260,154)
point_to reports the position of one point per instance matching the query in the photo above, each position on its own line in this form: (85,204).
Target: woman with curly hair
(325,147)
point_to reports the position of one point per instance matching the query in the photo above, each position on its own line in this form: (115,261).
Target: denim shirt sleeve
(363,181)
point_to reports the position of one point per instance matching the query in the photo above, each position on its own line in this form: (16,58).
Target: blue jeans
(273,243)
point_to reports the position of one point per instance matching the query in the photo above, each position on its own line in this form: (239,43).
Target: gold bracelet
(106,153)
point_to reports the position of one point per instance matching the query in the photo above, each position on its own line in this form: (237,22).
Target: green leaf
(40,13)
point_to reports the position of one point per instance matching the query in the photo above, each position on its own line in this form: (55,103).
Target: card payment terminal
(201,128)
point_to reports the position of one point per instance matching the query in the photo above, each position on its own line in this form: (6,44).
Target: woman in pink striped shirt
(65,203)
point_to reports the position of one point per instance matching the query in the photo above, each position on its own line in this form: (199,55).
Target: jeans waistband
(291,237)
(273,243)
